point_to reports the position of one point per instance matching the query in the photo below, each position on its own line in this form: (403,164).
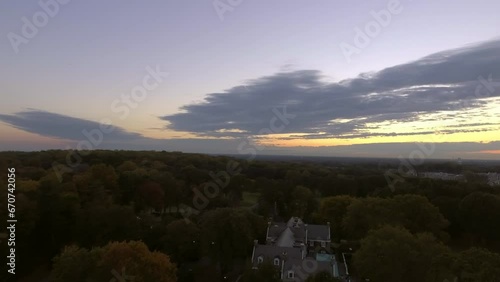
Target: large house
(296,249)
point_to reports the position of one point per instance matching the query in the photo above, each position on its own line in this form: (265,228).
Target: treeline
(104,197)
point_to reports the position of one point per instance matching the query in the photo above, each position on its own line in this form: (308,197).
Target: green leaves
(393,254)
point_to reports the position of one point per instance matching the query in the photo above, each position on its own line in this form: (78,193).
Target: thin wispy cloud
(61,126)
(70,128)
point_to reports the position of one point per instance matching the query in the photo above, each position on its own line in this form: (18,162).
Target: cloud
(69,129)
(72,130)
(62,126)
(441,88)
(447,84)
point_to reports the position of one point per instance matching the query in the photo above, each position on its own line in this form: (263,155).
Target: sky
(330,78)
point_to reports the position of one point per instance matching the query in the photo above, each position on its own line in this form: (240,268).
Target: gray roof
(304,269)
(299,233)
(286,239)
(279,231)
(276,229)
(318,232)
(270,252)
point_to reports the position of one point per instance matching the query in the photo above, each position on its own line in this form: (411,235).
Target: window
(276,261)
(260,259)
(311,243)
(290,274)
(323,244)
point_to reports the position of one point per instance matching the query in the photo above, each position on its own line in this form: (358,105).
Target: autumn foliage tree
(121,261)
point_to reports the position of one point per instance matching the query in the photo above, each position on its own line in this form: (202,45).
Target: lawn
(249,199)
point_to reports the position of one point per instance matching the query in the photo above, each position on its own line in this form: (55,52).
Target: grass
(249,199)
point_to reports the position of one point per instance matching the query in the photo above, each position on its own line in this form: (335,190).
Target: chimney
(255,243)
(306,236)
(283,266)
(284,254)
(268,226)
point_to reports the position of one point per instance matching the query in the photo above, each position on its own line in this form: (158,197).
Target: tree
(448,207)
(478,265)
(229,234)
(150,194)
(127,166)
(114,223)
(333,210)
(394,254)
(413,212)
(75,264)
(363,215)
(266,272)
(182,240)
(322,277)
(172,188)
(417,214)
(117,260)
(135,260)
(302,201)
(479,214)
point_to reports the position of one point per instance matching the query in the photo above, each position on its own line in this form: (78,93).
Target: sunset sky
(329,78)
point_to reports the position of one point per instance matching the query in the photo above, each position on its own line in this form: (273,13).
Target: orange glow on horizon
(494,152)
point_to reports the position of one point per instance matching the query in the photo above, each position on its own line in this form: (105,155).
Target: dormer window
(260,259)
(291,274)
(276,261)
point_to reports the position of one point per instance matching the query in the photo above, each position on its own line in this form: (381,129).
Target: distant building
(493,178)
(296,249)
(442,176)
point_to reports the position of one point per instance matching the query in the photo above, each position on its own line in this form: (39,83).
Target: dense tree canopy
(266,272)
(116,260)
(413,212)
(322,277)
(394,254)
(111,196)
